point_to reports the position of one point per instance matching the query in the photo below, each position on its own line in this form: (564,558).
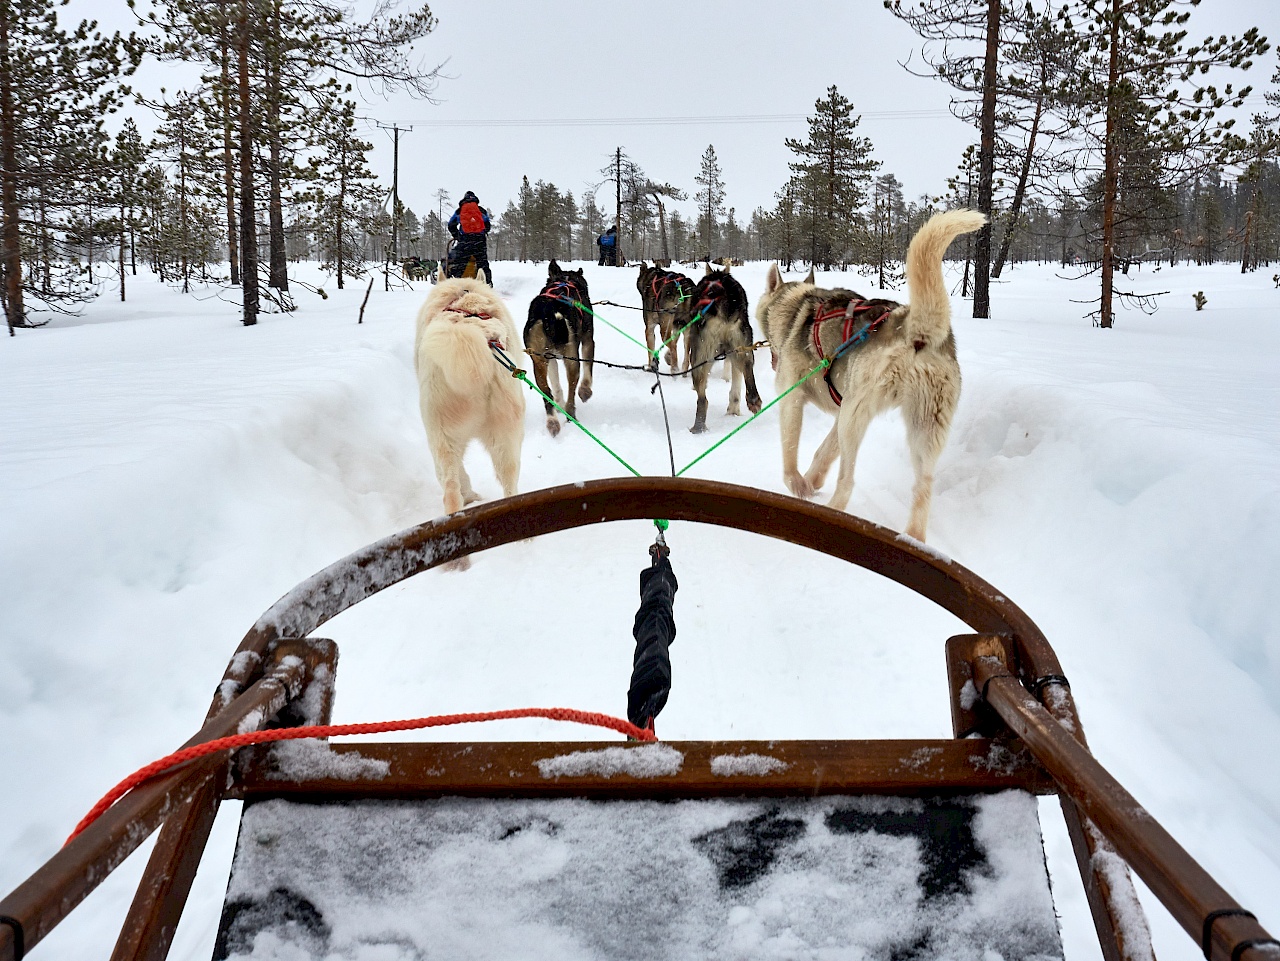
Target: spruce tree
(831,177)
(710,198)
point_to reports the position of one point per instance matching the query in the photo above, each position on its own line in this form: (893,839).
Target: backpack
(471,218)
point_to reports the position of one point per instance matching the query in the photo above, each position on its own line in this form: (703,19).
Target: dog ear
(773,279)
(727,264)
(810,279)
(483,277)
(553,269)
(708,269)
(440,272)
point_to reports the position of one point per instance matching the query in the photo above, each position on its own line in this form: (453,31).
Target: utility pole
(617,216)
(393,251)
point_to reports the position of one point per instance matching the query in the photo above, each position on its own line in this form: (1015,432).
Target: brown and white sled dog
(904,356)
(661,293)
(718,320)
(464,393)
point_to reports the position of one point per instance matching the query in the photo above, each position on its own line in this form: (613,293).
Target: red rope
(206,748)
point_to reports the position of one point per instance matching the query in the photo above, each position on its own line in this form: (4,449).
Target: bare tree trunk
(1015,208)
(122,236)
(986,166)
(90,236)
(248,225)
(228,162)
(279,270)
(341,213)
(662,226)
(617,214)
(10,237)
(1111,151)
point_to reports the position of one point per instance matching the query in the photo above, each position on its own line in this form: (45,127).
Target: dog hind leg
(733,373)
(540,378)
(553,377)
(823,458)
(790,420)
(851,427)
(928,417)
(587,351)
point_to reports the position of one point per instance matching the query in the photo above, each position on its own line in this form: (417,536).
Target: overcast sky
(662,80)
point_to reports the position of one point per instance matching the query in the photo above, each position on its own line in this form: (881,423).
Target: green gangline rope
(521,375)
(661,525)
(746,423)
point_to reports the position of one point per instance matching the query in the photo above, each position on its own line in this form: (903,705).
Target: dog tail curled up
(930,305)
(461,352)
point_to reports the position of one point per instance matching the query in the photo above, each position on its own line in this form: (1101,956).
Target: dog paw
(584,392)
(461,564)
(470,497)
(698,429)
(553,426)
(754,405)
(800,487)
(734,410)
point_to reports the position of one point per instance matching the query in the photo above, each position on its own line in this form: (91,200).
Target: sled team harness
(851,313)
(466,313)
(710,294)
(565,291)
(664,279)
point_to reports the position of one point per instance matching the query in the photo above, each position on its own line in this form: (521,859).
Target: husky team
(877,355)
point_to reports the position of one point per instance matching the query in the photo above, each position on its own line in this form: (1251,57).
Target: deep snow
(167,474)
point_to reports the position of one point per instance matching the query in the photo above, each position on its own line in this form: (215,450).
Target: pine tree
(127,160)
(342,193)
(1132,71)
(831,177)
(710,198)
(55,88)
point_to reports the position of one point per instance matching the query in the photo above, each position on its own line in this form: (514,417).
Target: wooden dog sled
(895,849)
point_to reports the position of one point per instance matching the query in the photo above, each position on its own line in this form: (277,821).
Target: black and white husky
(561,329)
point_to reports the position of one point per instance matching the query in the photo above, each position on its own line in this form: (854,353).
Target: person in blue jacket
(469,227)
(608,244)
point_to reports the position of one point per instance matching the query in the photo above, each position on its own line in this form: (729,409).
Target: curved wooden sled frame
(1008,660)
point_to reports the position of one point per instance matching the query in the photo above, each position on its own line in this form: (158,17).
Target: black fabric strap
(19,945)
(1207,931)
(1245,945)
(1042,682)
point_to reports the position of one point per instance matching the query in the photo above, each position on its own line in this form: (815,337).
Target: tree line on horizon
(1098,143)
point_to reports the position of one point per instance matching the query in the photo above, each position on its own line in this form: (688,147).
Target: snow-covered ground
(166,474)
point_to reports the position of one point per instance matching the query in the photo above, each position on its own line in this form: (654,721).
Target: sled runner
(887,849)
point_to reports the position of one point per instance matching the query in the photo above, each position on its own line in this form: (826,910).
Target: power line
(678,121)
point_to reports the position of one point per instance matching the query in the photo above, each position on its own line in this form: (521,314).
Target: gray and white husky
(899,355)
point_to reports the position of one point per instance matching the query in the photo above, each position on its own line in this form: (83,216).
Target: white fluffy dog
(465,394)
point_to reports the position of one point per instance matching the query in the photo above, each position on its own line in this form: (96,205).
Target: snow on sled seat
(565,878)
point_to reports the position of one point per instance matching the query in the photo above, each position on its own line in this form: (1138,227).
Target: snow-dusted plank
(838,877)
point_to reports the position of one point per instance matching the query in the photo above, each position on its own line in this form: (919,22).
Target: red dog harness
(661,281)
(562,290)
(710,294)
(466,313)
(851,312)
